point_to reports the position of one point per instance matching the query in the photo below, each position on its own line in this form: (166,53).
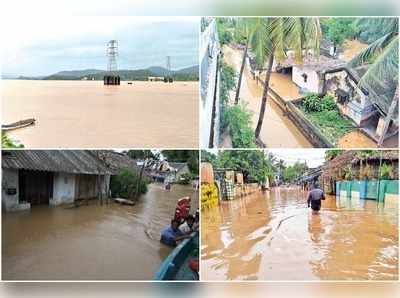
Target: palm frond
(372,51)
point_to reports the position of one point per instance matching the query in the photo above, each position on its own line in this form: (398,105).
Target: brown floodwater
(351,48)
(274,236)
(109,242)
(278,131)
(87,114)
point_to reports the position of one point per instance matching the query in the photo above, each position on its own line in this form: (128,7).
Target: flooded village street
(94,242)
(86,114)
(273,236)
(284,133)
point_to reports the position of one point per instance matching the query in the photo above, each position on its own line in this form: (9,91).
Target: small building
(164,171)
(52,177)
(351,164)
(55,177)
(155,79)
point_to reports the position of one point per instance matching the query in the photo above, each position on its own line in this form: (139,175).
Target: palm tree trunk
(241,74)
(264,96)
(389,116)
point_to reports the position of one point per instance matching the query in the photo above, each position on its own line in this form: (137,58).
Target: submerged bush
(124,184)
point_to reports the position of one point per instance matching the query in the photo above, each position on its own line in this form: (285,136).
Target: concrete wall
(63,189)
(313,81)
(359,108)
(10,202)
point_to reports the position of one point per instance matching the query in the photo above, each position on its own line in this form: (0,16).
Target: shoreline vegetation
(190,73)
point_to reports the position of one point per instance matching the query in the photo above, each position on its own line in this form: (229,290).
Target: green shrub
(313,103)
(386,171)
(186,178)
(227,81)
(6,142)
(238,119)
(125,183)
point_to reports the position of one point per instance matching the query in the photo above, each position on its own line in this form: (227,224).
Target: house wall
(10,202)
(313,83)
(182,171)
(359,108)
(63,189)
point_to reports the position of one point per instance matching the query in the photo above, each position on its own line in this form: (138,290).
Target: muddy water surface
(277,131)
(86,114)
(109,242)
(273,236)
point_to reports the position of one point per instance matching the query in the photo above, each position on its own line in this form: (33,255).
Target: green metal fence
(369,189)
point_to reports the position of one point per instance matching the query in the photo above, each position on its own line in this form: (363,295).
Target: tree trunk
(241,74)
(389,116)
(264,96)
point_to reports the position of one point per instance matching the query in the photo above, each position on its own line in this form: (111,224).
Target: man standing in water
(314,198)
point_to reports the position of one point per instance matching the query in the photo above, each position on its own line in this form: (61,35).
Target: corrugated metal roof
(67,161)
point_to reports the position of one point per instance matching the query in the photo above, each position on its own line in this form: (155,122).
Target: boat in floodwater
(177,265)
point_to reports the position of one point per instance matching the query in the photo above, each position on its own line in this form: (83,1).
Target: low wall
(368,189)
(309,130)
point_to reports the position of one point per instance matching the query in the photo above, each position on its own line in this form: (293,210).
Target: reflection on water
(92,242)
(77,114)
(274,236)
(277,130)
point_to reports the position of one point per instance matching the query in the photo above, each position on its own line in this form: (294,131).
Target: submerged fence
(368,189)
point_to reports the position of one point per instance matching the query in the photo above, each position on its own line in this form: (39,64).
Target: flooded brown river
(86,114)
(273,236)
(109,242)
(277,131)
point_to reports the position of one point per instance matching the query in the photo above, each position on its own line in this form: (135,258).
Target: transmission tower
(112,54)
(169,73)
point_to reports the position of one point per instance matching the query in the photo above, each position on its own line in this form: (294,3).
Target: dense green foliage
(225,32)
(337,30)
(254,164)
(142,154)
(313,103)
(238,119)
(332,153)
(227,81)
(331,124)
(191,157)
(124,185)
(387,171)
(6,142)
(371,29)
(292,173)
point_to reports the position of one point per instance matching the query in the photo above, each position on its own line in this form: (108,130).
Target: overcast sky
(50,45)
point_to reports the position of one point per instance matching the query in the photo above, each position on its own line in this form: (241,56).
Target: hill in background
(185,74)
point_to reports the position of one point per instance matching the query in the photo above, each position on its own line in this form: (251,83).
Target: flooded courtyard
(87,114)
(273,236)
(94,242)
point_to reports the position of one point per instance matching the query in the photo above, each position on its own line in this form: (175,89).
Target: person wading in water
(314,198)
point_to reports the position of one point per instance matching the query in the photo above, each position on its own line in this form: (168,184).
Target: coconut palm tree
(274,38)
(383,55)
(244,29)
